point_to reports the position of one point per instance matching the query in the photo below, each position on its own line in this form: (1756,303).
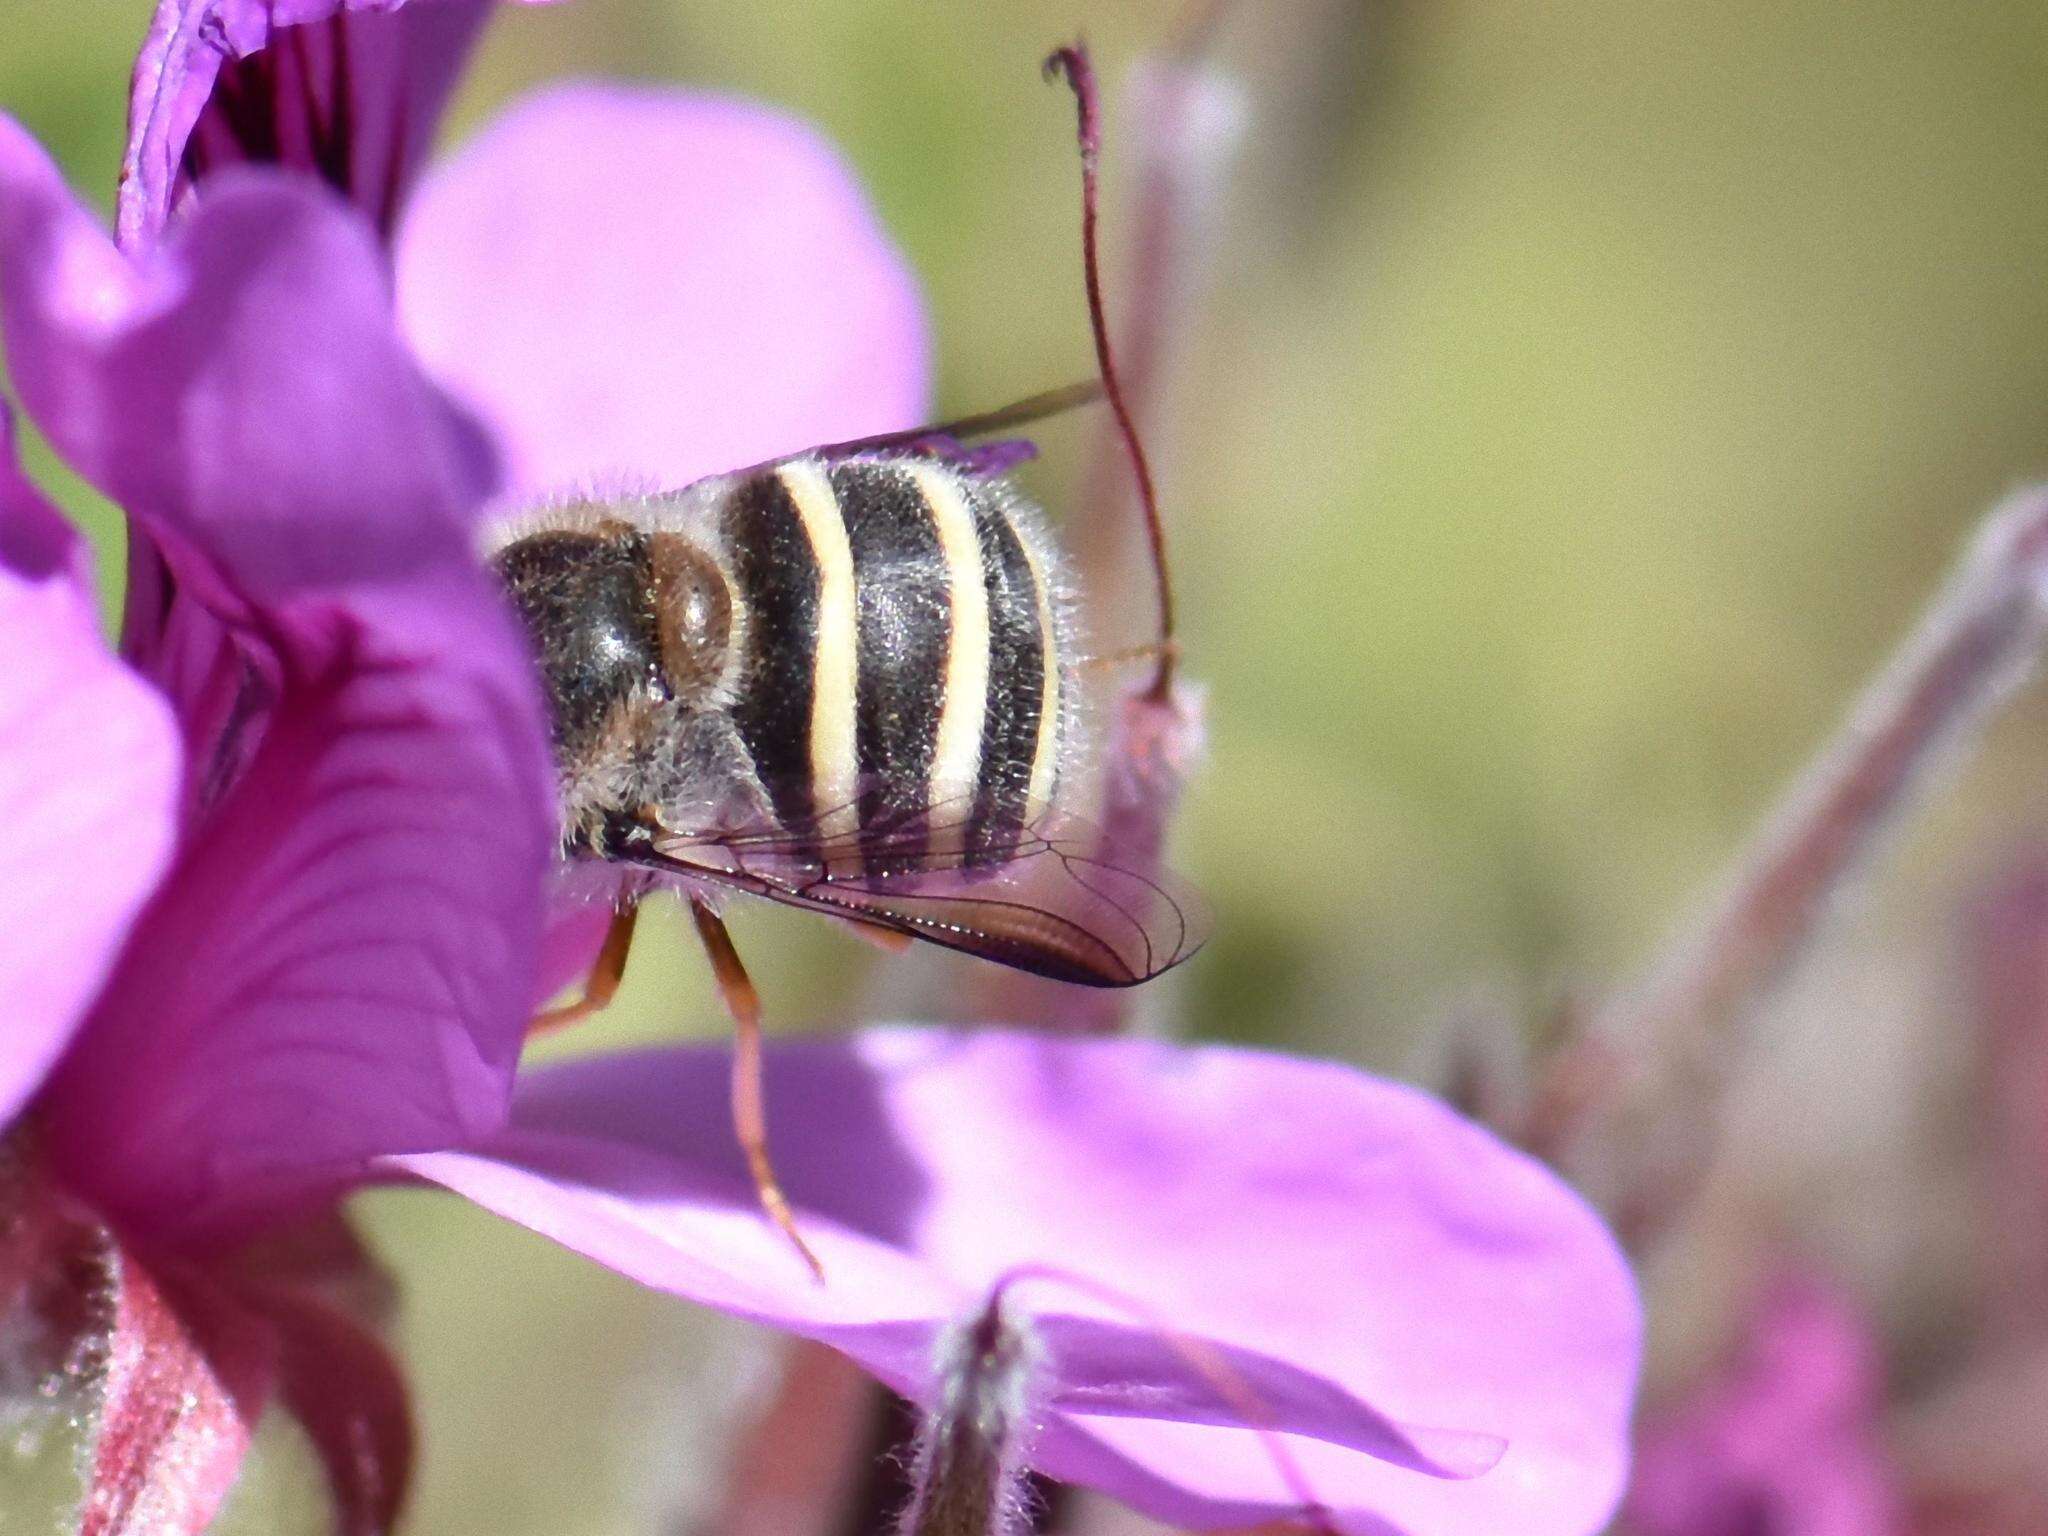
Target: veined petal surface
(341,963)
(1444,1334)
(350,91)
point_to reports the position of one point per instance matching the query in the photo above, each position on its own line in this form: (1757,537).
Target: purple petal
(350,91)
(342,962)
(1402,1294)
(88,788)
(243,383)
(239,390)
(646,286)
(1790,1426)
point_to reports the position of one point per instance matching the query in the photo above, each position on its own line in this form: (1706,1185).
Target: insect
(841,682)
(846,681)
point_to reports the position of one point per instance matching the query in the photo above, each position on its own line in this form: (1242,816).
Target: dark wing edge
(1050,906)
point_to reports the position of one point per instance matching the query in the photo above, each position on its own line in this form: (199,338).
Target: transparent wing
(1043,900)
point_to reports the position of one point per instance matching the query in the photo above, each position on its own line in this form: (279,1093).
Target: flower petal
(1398,1291)
(348,90)
(241,389)
(341,963)
(348,1394)
(648,286)
(1790,1426)
(88,788)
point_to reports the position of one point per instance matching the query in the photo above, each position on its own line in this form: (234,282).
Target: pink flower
(272,927)
(1438,1326)
(1784,1442)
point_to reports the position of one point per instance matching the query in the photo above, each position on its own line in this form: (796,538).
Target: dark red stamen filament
(1072,63)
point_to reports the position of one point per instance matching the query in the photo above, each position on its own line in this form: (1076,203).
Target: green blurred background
(1582,399)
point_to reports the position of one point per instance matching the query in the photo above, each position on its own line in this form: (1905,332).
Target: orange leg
(1154,651)
(606,972)
(749,1109)
(887,940)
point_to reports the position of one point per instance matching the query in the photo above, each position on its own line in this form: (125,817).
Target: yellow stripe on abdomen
(834,763)
(956,751)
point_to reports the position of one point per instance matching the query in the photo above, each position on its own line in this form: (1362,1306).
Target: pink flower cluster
(273,903)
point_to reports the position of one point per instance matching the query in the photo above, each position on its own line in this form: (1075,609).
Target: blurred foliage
(1585,397)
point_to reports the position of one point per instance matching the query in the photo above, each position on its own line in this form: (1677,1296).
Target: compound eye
(693,616)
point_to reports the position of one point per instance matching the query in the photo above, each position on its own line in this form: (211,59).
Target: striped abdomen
(901,684)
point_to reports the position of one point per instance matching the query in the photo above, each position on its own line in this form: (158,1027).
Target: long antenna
(1072,63)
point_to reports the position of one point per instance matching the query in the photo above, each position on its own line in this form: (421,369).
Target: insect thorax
(632,627)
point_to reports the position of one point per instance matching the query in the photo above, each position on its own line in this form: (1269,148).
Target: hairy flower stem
(969,1476)
(1632,1108)
(2008,970)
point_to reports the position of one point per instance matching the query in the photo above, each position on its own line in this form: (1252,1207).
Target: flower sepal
(168,1361)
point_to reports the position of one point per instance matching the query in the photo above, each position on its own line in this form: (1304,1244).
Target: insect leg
(606,972)
(749,1109)
(888,940)
(1156,650)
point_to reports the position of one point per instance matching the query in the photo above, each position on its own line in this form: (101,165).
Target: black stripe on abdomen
(904,634)
(776,572)
(1009,730)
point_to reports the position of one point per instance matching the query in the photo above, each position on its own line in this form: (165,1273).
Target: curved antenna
(1072,64)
